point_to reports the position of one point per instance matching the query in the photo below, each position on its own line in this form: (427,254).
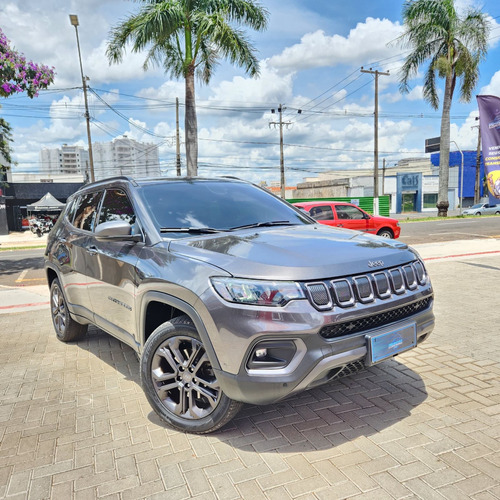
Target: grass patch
(450,217)
(4,249)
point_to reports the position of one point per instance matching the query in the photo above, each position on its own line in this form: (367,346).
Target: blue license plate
(385,345)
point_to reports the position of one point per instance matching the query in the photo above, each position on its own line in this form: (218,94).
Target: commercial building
(412,184)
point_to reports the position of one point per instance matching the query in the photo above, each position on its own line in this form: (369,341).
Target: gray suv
(228,294)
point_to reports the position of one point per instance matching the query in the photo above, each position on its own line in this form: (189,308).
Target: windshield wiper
(264,224)
(193,230)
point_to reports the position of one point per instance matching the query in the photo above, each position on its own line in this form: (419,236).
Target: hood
(306,252)
(385,219)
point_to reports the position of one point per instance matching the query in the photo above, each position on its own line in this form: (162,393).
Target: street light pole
(462,179)
(74,22)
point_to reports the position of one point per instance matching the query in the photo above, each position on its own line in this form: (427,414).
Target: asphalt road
(22,267)
(25,267)
(450,229)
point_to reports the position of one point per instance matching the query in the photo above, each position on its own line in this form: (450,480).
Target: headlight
(258,293)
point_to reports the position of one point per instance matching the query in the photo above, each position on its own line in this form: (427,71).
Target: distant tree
(454,46)
(188,37)
(5,158)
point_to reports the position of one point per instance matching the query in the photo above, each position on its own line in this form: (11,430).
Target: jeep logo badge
(375,263)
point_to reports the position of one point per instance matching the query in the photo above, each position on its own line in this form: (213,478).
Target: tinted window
(348,212)
(86,210)
(116,206)
(70,209)
(322,213)
(216,204)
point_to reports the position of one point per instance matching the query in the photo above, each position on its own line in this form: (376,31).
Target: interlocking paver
(74,422)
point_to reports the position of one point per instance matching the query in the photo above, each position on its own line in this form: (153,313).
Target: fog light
(271,354)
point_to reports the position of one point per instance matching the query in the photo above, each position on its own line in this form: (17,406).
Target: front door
(112,272)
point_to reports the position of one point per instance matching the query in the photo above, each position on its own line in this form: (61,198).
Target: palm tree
(188,37)
(454,45)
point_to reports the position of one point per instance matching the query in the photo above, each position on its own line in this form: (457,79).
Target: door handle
(92,250)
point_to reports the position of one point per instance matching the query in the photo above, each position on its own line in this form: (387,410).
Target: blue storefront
(470,159)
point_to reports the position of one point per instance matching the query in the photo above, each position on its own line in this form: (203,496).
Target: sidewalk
(22,239)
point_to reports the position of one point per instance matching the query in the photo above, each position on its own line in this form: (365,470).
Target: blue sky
(310,56)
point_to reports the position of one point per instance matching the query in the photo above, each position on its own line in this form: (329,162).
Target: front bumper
(321,361)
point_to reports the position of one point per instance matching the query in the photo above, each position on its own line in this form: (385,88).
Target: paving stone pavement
(75,424)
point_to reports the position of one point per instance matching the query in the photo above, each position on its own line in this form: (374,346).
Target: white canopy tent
(46,203)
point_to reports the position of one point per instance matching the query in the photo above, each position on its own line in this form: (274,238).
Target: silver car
(482,209)
(228,294)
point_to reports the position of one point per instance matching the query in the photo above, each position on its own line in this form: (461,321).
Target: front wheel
(179,381)
(385,233)
(478,213)
(497,213)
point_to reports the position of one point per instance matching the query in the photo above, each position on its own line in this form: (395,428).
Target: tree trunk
(191,125)
(444,154)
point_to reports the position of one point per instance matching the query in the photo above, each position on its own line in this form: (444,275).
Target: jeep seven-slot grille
(364,289)
(374,321)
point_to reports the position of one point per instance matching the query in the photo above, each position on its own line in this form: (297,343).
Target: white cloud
(366,42)
(493,88)
(416,93)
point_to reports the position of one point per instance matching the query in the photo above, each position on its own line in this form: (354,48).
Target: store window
(430,200)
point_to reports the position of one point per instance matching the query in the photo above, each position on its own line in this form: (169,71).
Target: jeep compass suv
(229,294)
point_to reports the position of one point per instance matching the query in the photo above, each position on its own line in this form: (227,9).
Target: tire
(179,382)
(497,213)
(478,213)
(385,233)
(67,329)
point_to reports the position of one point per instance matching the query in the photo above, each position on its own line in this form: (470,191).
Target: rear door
(72,252)
(112,271)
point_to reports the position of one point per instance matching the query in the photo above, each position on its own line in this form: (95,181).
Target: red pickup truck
(349,216)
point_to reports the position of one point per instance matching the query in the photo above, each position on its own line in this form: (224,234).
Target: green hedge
(365,202)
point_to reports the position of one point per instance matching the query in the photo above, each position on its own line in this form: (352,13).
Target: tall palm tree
(188,37)
(454,45)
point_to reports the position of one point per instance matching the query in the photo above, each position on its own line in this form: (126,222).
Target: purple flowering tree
(19,75)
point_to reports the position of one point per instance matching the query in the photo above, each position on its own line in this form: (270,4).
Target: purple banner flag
(489,120)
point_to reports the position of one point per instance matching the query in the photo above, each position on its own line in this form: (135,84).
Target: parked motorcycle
(40,226)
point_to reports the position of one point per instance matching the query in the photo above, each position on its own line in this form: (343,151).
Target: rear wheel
(497,213)
(385,233)
(179,381)
(67,329)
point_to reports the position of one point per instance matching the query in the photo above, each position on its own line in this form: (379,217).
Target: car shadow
(8,267)
(319,419)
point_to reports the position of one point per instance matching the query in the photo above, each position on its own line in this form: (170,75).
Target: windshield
(215,204)
(479,205)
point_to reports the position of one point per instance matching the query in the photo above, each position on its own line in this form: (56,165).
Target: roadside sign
(432,145)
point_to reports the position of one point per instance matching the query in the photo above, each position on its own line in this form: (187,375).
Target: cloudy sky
(311,57)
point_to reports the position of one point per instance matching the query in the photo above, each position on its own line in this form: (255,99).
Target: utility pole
(477,189)
(74,21)
(383,177)
(375,146)
(178,140)
(282,158)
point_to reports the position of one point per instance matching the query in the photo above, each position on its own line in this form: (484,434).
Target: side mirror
(116,230)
